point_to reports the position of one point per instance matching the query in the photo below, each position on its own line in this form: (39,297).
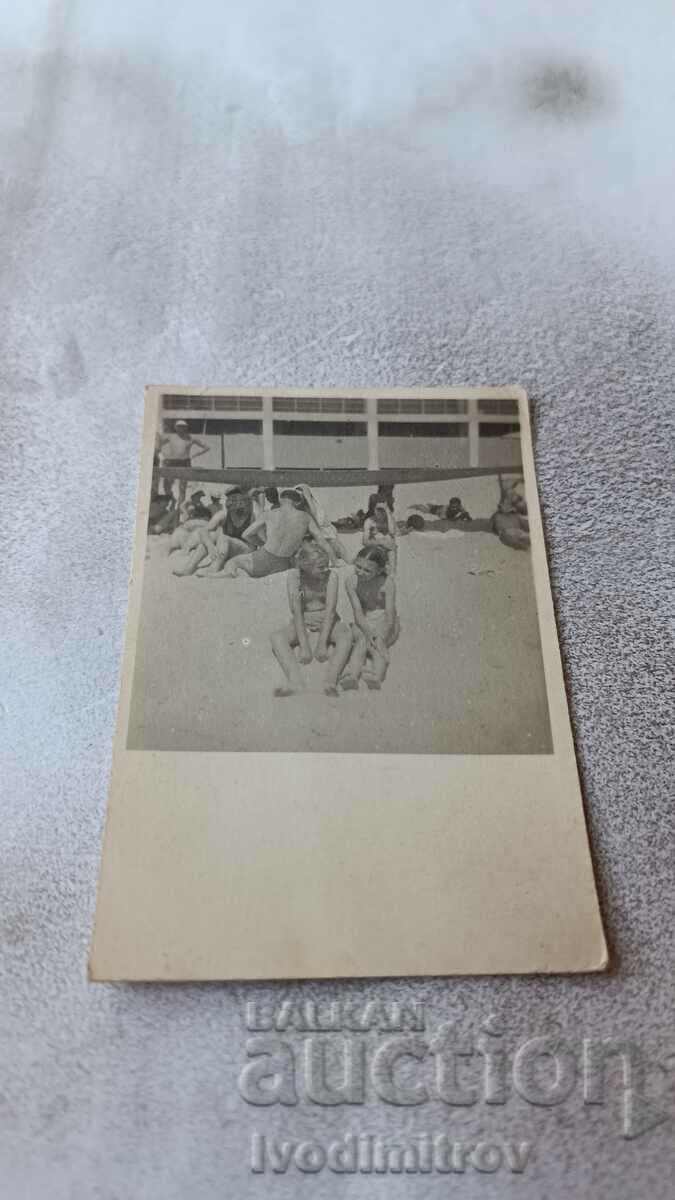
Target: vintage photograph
(338,573)
(343,745)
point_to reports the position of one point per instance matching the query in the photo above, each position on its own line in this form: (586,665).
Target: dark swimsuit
(372,595)
(236,531)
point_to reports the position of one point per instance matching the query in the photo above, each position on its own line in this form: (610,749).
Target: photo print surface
(338,573)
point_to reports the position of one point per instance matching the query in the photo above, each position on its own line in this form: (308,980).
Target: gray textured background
(324,194)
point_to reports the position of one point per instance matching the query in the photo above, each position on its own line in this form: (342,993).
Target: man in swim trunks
(285,528)
(176,449)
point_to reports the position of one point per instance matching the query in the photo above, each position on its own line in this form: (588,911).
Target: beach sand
(466,675)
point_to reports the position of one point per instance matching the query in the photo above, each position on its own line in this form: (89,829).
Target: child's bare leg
(225,548)
(178,539)
(343,640)
(209,540)
(375,669)
(242,562)
(191,560)
(195,549)
(357,658)
(283,642)
(196,537)
(216,543)
(185,539)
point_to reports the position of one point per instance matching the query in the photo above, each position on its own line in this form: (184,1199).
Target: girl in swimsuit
(312,588)
(380,530)
(372,594)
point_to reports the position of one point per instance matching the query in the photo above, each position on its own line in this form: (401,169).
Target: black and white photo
(338,573)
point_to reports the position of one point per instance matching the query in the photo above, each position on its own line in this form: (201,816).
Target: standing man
(176,449)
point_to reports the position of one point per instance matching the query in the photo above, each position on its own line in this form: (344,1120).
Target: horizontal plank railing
(329,476)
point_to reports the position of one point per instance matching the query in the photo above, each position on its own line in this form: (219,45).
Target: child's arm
(316,533)
(329,617)
(368,530)
(254,527)
(217,519)
(295,605)
(390,603)
(258,498)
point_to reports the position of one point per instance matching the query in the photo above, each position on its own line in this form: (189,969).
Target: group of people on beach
(264,531)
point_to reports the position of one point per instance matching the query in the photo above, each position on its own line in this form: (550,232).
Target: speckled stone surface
(321,194)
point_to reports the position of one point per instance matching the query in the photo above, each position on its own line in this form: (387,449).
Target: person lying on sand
(285,529)
(355,521)
(414,524)
(372,594)
(312,587)
(454,510)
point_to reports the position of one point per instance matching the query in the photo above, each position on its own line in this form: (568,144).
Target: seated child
(285,529)
(380,530)
(511,522)
(327,529)
(312,597)
(383,495)
(372,593)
